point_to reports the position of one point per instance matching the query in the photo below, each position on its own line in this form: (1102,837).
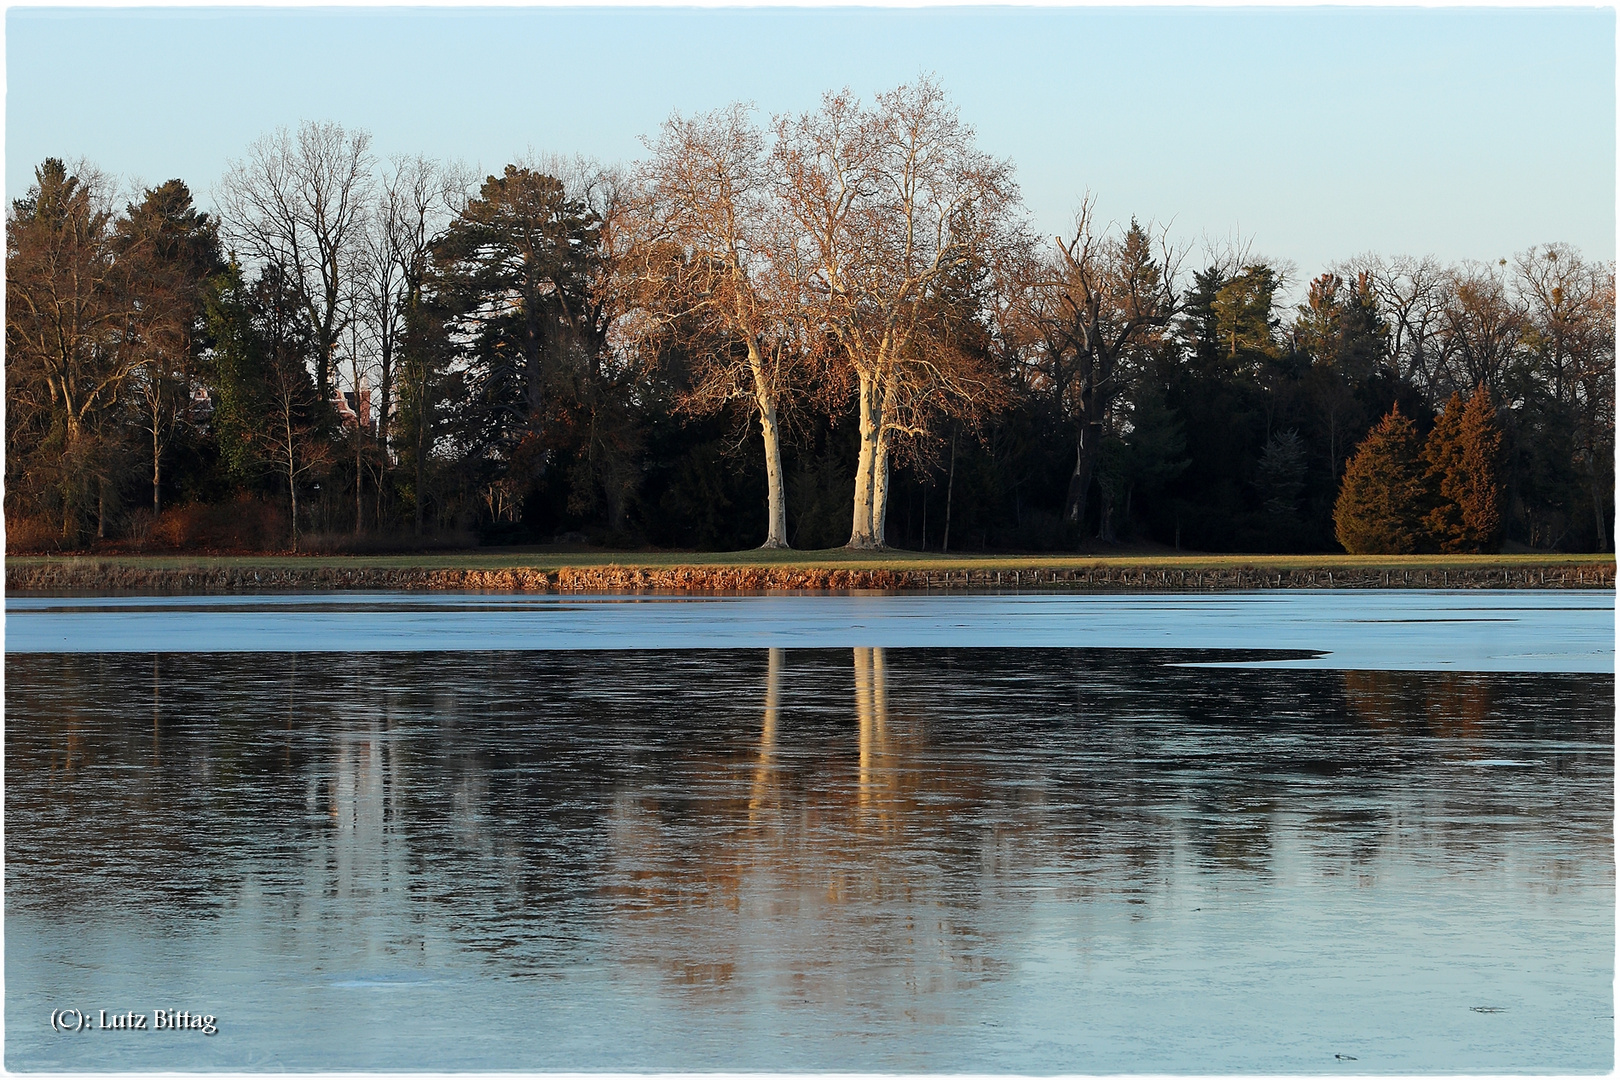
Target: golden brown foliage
(1380,505)
(1462,456)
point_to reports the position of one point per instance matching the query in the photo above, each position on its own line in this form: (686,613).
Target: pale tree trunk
(776,499)
(70,512)
(385,392)
(880,466)
(292,489)
(157,446)
(292,482)
(880,485)
(1088,440)
(862,534)
(157,473)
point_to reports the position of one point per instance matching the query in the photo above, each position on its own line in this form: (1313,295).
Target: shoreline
(564,576)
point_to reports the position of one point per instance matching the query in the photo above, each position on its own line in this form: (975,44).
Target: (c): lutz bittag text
(159,1020)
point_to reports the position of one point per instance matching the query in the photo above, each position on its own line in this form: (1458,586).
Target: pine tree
(1382,499)
(1462,458)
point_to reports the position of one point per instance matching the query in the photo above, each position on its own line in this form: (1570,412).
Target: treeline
(833,328)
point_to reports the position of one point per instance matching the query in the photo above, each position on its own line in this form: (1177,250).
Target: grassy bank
(552,560)
(537,570)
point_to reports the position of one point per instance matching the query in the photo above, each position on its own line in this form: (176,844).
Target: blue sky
(1318,133)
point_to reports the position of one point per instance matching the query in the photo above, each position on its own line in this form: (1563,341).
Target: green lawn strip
(551,561)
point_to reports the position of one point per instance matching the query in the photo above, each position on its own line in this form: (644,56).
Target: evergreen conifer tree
(1462,458)
(1382,499)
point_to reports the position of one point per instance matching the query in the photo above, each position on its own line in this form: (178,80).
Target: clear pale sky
(1318,133)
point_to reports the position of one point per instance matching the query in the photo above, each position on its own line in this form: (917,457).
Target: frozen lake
(1409,630)
(1255,833)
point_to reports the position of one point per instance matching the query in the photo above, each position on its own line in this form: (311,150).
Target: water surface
(1410,630)
(1026,860)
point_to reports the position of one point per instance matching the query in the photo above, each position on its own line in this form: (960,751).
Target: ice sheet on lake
(1410,630)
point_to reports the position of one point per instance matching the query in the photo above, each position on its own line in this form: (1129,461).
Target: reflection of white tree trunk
(871,712)
(767,734)
(362,861)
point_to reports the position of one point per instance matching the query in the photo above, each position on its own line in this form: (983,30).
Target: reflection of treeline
(388,352)
(480,778)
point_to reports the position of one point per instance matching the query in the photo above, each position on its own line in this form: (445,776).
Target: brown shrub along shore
(110,578)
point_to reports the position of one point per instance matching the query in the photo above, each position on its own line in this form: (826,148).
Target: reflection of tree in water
(92,775)
(1474,754)
(849,814)
(822,846)
(1446,704)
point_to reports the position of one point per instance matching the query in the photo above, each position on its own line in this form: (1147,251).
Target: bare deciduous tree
(299,201)
(717,268)
(288,434)
(1569,331)
(1479,328)
(1102,297)
(1409,292)
(892,201)
(1563,312)
(416,199)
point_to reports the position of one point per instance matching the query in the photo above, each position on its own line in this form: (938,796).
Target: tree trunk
(880,487)
(385,391)
(419,492)
(950,489)
(1333,448)
(1105,527)
(533,377)
(292,491)
(1598,504)
(157,474)
(776,499)
(292,486)
(323,377)
(359,473)
(861,533)
(925,519)
(421,449)
(1088,441)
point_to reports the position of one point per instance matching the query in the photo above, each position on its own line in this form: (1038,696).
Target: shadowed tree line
(834,327)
